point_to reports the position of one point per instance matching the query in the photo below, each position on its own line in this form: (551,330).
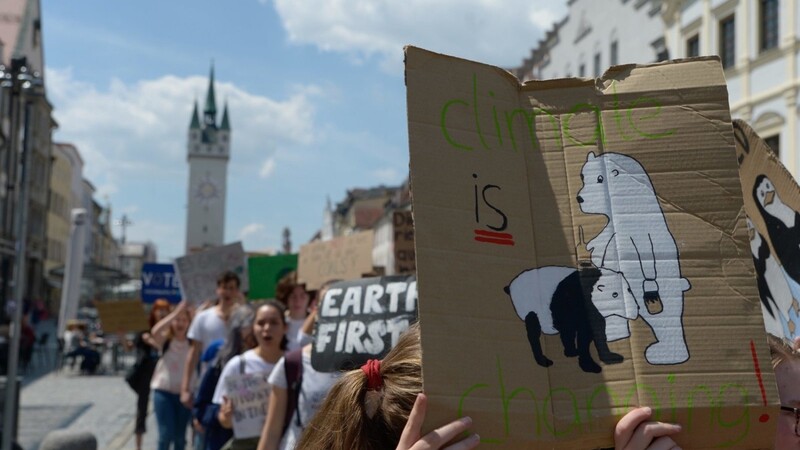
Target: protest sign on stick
(772,201)
(198,272)
(362,319)
(266,271)
(341,258)
(585,251)
(122,316)
(160,281)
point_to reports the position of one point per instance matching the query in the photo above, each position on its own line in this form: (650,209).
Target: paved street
(101,404)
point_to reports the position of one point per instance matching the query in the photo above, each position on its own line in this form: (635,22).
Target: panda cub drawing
(573,303)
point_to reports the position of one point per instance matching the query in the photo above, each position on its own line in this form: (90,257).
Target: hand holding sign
(436,439)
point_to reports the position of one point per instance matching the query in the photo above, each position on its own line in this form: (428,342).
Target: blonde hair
(342,422)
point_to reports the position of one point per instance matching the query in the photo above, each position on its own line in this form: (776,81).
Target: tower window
(205,229)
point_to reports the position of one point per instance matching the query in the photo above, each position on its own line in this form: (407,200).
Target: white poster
(250,396)
(198,272)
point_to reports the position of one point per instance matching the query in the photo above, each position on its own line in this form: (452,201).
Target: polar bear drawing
(637,243)
(574,304)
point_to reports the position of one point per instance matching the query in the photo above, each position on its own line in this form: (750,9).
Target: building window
(614,56)
(597,65)
(727,42)
(693,46)
(582,70)
(769,24)
(774,143)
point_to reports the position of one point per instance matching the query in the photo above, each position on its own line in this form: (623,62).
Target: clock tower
(208,154)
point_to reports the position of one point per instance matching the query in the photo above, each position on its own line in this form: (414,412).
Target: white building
(208,153)
(757,42)
(755,39)
(596,35)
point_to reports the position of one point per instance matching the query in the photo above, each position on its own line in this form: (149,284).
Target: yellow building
(65,189)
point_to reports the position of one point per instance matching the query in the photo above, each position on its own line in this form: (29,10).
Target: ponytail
(361,413)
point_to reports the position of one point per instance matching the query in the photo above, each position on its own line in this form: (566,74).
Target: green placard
(266,271)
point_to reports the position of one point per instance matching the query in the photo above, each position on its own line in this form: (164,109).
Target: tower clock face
(207,191)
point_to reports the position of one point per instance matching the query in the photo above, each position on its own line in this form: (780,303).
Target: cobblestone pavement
(53,399)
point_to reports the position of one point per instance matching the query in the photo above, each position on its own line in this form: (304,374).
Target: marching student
(269,331)
(296,299)
(169,337)
(207,326)
(298,390)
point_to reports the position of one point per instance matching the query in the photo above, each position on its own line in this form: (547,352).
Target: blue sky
(314,87)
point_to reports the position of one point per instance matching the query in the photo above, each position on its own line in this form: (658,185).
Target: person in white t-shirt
(169,337)
(296,299)
(207,326)
(269,330)
(313,387)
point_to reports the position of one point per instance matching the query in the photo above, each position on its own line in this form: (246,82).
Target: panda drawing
(573,303)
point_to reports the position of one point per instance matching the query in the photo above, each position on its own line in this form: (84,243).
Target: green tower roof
(211,103)
(225,123)
(195,125)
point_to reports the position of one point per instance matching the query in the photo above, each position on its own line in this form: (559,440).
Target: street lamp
(20,84)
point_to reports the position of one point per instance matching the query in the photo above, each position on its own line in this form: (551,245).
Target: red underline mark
(494,241)
(493,234)
(764,417)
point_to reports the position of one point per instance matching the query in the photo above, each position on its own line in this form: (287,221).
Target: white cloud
(139,129)
(490,31)
(251,229)
(267,168)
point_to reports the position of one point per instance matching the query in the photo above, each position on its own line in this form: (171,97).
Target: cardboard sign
(249,394)
(341,258)
(584,252)
(405,260)
(772,201)
(266,271)
(160,281)
(198,272)
(361,320)
(123,316)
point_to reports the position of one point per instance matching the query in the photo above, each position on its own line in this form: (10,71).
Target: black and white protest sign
(362,319)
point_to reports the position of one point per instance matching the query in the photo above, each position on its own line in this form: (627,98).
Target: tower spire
(225,125)
(195,125)
(210,111)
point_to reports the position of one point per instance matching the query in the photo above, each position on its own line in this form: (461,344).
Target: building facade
(596,35)
(208,153)
(757,41)
(26,127)
(65,174)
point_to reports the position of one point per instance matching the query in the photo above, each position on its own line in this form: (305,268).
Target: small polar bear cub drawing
(637,243)
(574,304)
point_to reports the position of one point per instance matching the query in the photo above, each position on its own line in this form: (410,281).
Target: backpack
(293,366)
